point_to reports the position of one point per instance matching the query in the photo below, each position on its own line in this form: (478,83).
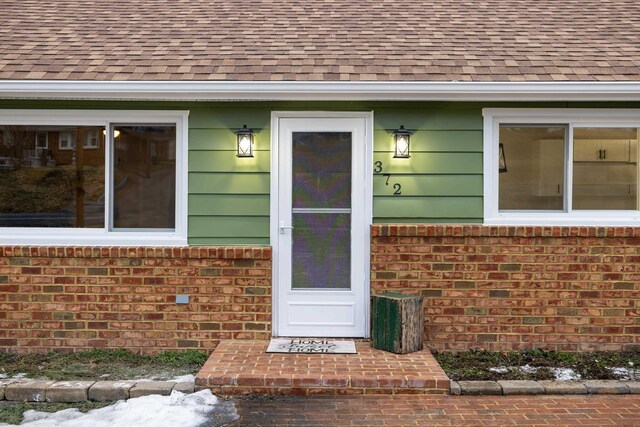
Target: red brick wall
(502,288)
(74,298)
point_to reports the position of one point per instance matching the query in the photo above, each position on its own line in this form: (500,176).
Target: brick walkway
(237,367)
(439,411)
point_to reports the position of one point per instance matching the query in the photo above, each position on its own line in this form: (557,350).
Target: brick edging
(426,230)
(100,391)
(82,391)
(525,387)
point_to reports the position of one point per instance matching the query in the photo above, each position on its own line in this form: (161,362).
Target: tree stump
(397,322)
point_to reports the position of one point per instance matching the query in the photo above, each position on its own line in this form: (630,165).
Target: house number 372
(377,169)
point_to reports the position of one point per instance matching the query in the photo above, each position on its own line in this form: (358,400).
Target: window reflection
(144,177)
(49,178)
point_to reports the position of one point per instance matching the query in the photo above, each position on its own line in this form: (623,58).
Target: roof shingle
(323,40)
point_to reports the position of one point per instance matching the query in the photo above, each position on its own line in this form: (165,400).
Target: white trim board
(320,91)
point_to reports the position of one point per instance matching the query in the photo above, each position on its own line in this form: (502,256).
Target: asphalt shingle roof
(320,40)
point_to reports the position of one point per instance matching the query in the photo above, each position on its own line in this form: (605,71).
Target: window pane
(532,176)
(605,168)
(321,251)
(321,169)
(144,179)
(42,185)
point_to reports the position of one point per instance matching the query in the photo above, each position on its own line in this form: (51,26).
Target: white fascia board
(320,91)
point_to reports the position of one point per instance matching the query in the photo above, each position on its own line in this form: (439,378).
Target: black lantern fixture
(502,161)
(402,138)
(245,142)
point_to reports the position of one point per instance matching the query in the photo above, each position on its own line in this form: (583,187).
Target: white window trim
(105,236)
(494,117)
(88,137)
(71,139)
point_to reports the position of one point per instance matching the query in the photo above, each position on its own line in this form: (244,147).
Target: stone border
(523,387)
(81,391)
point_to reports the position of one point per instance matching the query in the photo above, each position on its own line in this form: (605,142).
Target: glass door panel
(321,210)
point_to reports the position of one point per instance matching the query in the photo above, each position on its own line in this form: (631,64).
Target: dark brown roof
(321,40)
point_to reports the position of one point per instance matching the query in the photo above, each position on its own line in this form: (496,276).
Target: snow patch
(561,374)
(184,378)
(527,369)
(178,409)
(625,373)
(565,374)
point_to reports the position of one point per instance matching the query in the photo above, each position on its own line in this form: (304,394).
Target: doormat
(311,346)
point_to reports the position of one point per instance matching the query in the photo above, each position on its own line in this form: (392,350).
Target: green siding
(433,141)
(228,204)
(214,226)
(441,182)
(230,116)
(223,139)
(229,241)
(229,197)
(429,185)
(431,163)
(226,161)
(448,220)
(425,116)
(422,209)
(228,183)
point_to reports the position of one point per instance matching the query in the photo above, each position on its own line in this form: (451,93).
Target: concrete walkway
(434,410)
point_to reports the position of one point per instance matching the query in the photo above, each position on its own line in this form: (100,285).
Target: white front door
(321,217)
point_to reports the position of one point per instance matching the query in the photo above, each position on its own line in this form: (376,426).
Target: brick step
(244,367)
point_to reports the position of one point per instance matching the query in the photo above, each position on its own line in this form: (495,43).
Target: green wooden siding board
(228,226)
(229,241)
(452,220)
(228,183)
(431,163)
(254,116)
(433,140)
(426,118)
(428,207)
(428,185)
(225,139)
(229,204)
(226,161)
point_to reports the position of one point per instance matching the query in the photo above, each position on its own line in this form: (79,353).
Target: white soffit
(320,91)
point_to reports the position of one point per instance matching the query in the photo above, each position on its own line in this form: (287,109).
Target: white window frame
(106,235)
(89,137)
(70,140)
(494,117)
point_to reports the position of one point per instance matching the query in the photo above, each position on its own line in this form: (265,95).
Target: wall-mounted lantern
(245,142)
(402,138)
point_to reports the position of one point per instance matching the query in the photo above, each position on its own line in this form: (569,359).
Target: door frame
(367,164)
